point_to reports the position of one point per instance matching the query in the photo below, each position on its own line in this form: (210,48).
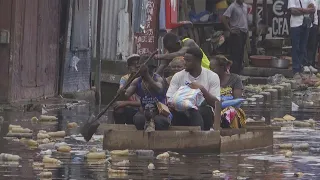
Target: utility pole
(98,56)
(254,31)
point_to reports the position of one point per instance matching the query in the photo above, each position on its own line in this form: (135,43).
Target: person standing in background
(313,40)
(235,20)
(300,24)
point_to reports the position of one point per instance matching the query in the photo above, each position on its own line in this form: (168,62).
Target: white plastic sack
(186,98)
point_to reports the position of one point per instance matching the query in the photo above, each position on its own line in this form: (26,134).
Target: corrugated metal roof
(109,27)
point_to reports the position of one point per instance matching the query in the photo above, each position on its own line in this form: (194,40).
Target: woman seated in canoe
(232,116)
(151,89)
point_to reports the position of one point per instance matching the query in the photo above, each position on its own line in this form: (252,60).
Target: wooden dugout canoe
(186,139)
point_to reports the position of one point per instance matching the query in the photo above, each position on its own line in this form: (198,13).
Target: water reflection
(268,163)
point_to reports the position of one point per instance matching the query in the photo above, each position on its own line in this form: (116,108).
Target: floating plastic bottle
(58,134)
(57,145)
(96,155)
(21,130)
(122,163)
(117,171)
(51,160)
(32,143)
(302,146)
(288,154)
(47,146)
(47,118)
(148,153)
(162,156)
(65,149)
(43,141)
(45,174)
(9,157)
(21,135)
(34,119)
(72,125)
(11,126)
(46,152)
(42,135)
(151,166)
(120,152)
(286,146)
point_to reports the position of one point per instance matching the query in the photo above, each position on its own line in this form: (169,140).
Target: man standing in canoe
(175,48)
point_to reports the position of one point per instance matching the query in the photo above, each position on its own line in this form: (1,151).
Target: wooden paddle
(91,126)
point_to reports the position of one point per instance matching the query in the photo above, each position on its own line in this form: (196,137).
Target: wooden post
(254,30)
(318,57)
(98,56)
(64,21)
(265,12)
(217,116)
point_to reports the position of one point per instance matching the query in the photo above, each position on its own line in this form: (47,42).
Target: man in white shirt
(313,41)
(299,32)
(197,78)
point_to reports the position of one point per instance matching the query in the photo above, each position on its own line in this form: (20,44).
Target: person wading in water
(175,48)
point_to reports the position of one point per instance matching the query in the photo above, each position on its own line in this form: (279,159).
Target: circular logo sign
(277,8)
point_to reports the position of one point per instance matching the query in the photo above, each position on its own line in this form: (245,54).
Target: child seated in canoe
(232,116)
(176,65)
(150,87)
(193,79)
(125,110)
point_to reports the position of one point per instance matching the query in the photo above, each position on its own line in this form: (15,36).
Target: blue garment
(226,98)
(233,102)
(299,37)
(162,15)
(146,97)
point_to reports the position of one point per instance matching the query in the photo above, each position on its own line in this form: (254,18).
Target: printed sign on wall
(146,41)
(277,20)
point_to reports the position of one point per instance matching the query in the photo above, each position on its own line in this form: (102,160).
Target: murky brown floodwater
(268,163)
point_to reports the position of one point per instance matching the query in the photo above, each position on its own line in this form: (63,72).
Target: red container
(261,61)
(172,11)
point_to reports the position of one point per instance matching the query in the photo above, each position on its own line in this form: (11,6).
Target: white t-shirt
(296,21)
(208,79)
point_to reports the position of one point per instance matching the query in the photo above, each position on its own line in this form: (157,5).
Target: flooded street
(267,163)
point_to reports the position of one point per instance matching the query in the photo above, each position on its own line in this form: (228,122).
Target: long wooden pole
(254,31)
(98,56)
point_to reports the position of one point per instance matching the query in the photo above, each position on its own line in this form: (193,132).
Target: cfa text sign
(277,20)
(280,24)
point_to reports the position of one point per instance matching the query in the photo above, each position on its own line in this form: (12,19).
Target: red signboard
(147,41)
(172,9)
